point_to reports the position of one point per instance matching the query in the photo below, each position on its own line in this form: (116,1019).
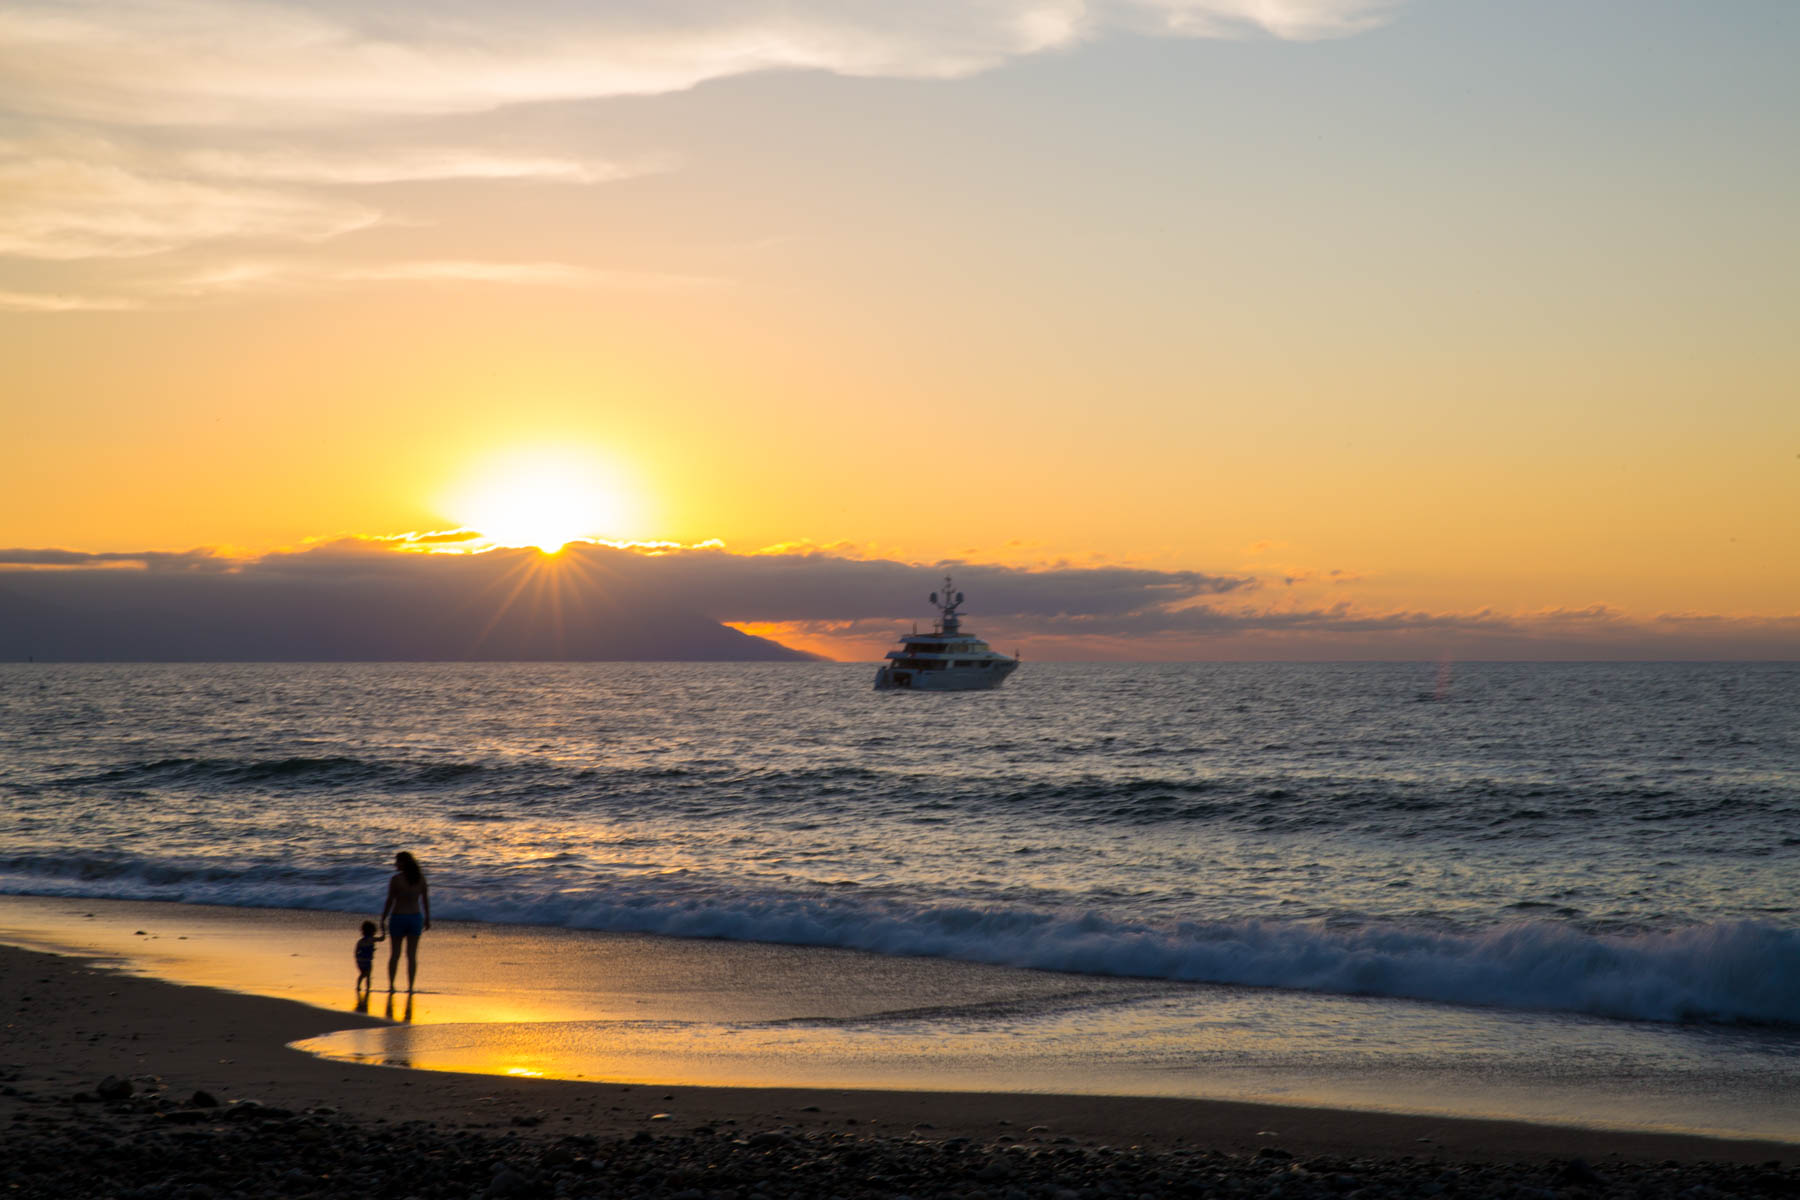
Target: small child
(365,954)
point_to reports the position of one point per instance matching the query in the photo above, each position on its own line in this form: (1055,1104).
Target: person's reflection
(406,1014)
(362,1000)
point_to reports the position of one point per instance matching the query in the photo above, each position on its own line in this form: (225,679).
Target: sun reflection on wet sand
(1211,1043)
(636,1009)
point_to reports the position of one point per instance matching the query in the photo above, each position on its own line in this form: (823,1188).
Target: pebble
(159,1149)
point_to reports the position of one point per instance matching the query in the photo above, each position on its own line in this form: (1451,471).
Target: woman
(409,900)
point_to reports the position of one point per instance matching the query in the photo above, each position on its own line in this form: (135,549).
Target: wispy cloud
(158,126)
(58,208)
(405,164)
(293,274)
(1298,20)
(244,62)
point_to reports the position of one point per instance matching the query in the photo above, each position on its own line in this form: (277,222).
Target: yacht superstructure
(948,659)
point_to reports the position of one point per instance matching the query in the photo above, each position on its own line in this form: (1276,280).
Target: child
(365,955)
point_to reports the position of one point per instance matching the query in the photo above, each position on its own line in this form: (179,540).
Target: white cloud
(408,164)
(154,126)
(263,63)
(59,208)
(1299,20)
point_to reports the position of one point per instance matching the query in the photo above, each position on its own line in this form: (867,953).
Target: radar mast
(948,621)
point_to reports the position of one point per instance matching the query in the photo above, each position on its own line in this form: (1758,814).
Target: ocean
(1557,891)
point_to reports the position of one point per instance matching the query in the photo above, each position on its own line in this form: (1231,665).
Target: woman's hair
(409,867)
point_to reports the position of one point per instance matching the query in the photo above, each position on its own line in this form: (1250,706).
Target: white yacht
(947,659)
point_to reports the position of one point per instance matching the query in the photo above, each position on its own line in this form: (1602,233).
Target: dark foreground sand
(112,1085)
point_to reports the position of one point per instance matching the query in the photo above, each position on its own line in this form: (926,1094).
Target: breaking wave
(1743,972)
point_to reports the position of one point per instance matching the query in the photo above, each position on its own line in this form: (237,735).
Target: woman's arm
(388,906)
(425,902)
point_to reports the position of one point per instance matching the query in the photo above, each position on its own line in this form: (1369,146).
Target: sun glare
(541,500)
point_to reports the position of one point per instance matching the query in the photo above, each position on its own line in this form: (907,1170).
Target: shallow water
(1414,858)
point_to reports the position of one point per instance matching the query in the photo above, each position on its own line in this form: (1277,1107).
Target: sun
(541,499)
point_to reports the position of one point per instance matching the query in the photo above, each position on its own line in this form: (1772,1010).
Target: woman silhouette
(409,900)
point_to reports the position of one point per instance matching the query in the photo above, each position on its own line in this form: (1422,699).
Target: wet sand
(75,1023)
(645,1011)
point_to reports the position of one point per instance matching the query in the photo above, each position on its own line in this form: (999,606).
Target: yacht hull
(950,679)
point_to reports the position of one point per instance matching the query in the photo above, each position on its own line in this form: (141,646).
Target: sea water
(1566,889)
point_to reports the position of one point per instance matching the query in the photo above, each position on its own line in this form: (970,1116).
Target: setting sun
(540,499)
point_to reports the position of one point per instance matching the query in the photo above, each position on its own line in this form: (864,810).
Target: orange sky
(1475,306)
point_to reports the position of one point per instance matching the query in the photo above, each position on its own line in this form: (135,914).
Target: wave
(328,771)
(1383,804)
(1742,972)
(1738,972)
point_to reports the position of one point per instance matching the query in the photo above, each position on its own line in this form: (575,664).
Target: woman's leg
(412,959)
(393,960)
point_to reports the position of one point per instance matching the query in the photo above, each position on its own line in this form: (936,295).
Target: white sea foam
(1727,972)
(1739,972)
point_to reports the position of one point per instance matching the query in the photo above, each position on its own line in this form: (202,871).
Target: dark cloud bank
(367,601)
(350,604)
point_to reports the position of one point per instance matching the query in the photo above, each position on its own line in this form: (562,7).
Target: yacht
(946,659)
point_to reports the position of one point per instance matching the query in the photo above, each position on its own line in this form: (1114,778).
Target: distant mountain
(358,608)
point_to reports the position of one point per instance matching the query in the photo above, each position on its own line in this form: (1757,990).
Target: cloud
(518,603)
(155,560)
(443,537)
(251,63)
(277,274)
(64,208)
(814,585)
(346,602)
(153,126)
(158,288)
(1298,20)
(173,284)
(403,164)
(64,302)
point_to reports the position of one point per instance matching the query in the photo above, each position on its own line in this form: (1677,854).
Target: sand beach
(121,1083)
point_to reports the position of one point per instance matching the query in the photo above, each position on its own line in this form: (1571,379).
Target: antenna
(946,603)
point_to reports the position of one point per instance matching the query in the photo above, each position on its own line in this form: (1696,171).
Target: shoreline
(80,1021)
(690,1013)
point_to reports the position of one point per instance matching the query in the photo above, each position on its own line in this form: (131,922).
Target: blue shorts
(405,925)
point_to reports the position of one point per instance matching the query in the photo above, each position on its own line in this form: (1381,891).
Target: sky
(1436,328)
